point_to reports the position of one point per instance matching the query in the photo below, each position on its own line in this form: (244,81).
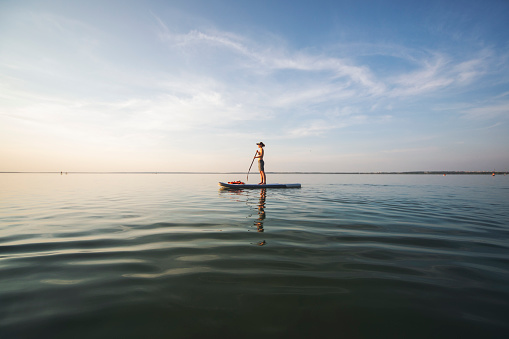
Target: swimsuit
(261,165)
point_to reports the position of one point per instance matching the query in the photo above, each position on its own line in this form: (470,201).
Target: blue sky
(193,85)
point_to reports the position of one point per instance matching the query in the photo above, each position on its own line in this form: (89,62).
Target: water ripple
(159,257)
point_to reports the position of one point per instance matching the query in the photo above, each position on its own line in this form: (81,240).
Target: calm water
(172,256)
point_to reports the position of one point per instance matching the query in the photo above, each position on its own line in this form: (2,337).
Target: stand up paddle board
(241,186)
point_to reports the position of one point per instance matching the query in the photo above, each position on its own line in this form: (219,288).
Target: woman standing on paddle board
(261,163)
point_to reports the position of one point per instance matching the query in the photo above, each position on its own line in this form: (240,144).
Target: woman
(261,163)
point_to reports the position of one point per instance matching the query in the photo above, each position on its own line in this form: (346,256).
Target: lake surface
(173,256)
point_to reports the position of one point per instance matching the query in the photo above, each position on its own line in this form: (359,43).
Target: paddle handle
(247,178)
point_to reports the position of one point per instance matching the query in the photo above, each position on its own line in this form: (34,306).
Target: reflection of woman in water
(261,210)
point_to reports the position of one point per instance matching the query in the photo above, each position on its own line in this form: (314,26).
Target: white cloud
(208,82)
(488,111)
(429,77)
(283,80)
(294,79)
(441,72)
(320,126)
(273,59)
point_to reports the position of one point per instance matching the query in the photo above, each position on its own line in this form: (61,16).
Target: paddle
(247,178)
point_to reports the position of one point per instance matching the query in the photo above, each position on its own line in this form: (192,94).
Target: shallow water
(172,255)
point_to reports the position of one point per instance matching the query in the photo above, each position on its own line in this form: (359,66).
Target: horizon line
(275,172)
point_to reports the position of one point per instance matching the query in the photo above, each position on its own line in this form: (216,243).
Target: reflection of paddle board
(240,186)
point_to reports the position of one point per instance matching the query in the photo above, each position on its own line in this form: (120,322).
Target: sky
(328,86)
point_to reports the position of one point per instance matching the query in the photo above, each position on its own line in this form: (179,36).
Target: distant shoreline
(340,173)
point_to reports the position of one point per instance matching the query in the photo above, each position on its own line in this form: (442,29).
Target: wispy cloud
(272,59)
(319,127)
(209,82)
(443,72)
(427,78)
(488,111)
(339,77)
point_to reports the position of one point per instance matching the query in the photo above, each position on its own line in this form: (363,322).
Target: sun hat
(261,144)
